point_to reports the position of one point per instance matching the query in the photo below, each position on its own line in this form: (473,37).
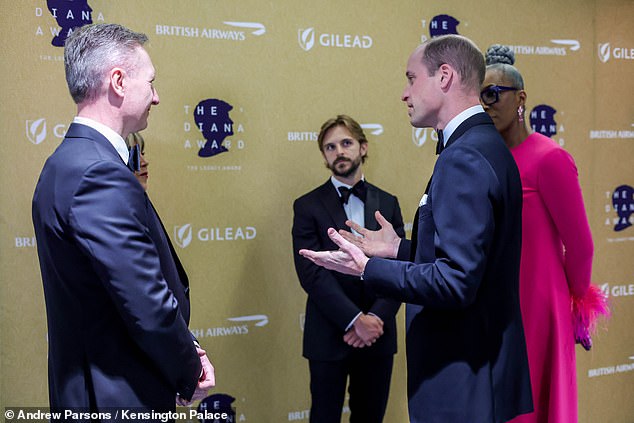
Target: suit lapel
(477,119)
(76,130)
(172,270)
(330,199)
(371,205)
(179,266)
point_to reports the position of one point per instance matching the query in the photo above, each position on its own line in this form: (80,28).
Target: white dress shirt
(115,139)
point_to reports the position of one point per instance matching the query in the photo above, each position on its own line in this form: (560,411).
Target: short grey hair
(459,52)
(91,51)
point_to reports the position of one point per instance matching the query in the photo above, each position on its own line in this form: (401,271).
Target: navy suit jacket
(117,308)
(466,353)
(334,299)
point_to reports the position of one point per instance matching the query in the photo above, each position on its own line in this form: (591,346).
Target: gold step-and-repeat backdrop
(244,86)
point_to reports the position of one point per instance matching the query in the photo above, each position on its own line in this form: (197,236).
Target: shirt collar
(337,183)
(458,119)
(115,139)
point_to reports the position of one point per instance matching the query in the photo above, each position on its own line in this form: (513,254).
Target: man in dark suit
(466,354)
(117,303)
(349,332)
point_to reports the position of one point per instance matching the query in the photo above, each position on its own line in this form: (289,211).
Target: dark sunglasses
(491,94)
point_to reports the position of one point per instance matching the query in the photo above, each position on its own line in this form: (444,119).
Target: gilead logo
(37,130)
(308,37)
(185,234)
(607,52)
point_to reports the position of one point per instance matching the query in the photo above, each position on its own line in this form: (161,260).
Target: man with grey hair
(459,275)
(117,304)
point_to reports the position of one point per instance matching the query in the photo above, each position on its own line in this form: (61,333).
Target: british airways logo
(561,48)
(241,326)
(369,128)
(238,31)
(372,128)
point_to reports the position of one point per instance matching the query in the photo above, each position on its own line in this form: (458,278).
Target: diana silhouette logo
(36,130)
(183,235)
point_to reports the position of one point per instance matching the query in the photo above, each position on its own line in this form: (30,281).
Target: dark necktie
(134,160)
(440,146)
(359,190)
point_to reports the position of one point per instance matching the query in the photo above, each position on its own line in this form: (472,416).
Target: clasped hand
(364,332)
(206,381)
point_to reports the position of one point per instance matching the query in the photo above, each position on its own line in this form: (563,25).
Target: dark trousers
(369,388)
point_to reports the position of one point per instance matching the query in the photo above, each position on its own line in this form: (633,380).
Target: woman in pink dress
(557,246)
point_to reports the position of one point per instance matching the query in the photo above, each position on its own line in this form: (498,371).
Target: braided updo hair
(502,58)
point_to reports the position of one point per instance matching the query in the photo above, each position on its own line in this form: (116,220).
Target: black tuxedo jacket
(334,299)
(116,302)
(466,353)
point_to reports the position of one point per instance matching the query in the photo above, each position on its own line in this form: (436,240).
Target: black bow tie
(440,146)
(134,160)
(359,190)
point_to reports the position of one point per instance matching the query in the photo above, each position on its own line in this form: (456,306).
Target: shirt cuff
(353,320)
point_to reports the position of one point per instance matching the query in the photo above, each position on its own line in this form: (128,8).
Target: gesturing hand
(382,243)
(349,259)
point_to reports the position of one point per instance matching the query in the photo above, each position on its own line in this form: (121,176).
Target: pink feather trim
(586,312)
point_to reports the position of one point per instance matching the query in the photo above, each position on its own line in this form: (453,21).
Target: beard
(354,165)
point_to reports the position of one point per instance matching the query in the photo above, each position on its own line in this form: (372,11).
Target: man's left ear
(446,73)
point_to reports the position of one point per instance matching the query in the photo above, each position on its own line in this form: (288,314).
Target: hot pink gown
(556,262)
